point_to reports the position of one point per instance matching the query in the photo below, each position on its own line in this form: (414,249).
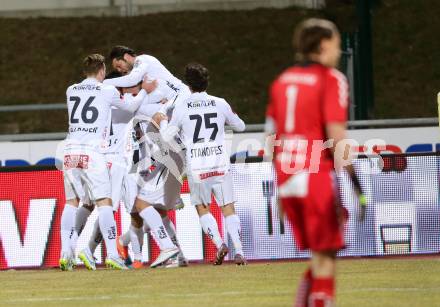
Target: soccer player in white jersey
(151,105)
(159,189)
(201,119)
(162,195)
(136,67)
(126,61)
(119,155)
(85,170)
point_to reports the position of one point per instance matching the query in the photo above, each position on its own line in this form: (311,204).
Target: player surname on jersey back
(206,151)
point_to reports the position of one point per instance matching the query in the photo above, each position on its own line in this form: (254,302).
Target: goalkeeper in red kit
(307,112)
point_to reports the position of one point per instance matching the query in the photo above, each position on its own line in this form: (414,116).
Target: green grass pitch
(372,282)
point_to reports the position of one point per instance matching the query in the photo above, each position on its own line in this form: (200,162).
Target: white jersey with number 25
(201,118)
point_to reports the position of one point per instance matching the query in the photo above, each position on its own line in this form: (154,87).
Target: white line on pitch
(127,296)
(49,299)
(226,293)
(391,290)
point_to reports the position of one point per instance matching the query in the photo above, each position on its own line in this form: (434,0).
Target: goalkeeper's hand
(363,206)
(358,190)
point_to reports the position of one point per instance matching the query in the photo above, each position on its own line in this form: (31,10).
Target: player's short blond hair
(309,34)
(93,63)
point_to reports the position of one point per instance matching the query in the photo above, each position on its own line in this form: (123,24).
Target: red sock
(322,292)
(303,290)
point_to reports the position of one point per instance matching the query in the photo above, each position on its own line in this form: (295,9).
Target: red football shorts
(317,219)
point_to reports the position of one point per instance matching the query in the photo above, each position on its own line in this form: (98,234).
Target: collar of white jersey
(90,79)
(199,95)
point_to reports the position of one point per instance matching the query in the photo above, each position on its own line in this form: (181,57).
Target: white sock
(137,240)
(125,238)
(154,221)
(163,125)
(210,227)
(73,241)
(234,229)
(171,229)
(67,228)
(96,237)
(81,219)
(88,250)
(107,225)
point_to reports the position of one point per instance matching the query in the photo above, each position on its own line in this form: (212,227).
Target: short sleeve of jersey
(140,65)
(231,118)
(336,97)
(113,95)
(226,109)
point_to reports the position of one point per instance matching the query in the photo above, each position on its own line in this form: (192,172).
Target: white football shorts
(160,188)
(118,169)
(130,191)
(86,175)
(201,192)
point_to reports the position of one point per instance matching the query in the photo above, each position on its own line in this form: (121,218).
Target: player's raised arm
(133,78)
(130,102)
(232,119)
(126,102)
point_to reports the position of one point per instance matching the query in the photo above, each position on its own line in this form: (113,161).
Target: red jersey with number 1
(303,99)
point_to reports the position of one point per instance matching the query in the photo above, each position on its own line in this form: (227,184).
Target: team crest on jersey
(76,161)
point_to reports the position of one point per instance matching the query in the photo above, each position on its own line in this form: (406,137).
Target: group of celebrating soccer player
(134,135)
(177,130)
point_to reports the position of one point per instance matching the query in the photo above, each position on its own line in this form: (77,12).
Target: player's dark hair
(116,74)
(93,63)
(118,52)
(308,36)
(196,77)
(113,74)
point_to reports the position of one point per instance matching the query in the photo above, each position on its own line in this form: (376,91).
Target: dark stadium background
(244,50)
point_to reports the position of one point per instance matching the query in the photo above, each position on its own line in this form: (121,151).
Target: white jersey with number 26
(89,107)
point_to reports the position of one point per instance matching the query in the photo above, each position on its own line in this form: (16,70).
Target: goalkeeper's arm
(341,154)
